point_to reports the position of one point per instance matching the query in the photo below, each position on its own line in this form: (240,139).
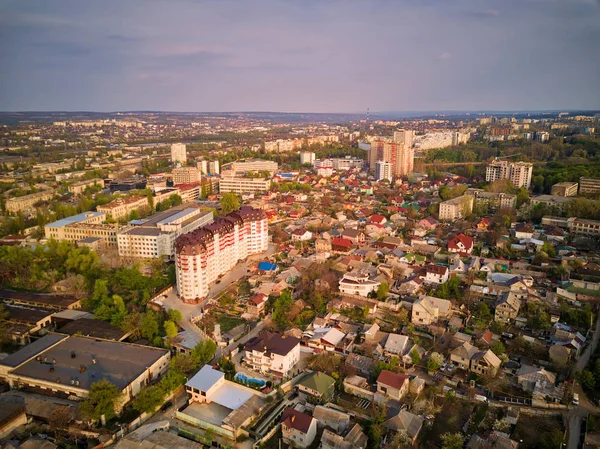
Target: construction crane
(506,157)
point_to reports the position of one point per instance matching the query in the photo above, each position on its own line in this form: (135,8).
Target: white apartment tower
(202,166)
(519,173)
(405,136)
(210,251)
(178,153)
(213,167)
(383,170)
(307,157)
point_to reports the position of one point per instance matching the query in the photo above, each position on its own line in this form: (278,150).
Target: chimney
(293,418)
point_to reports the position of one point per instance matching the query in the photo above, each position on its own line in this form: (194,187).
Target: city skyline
(318,57)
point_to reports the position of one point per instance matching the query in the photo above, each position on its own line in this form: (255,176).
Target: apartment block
(456,208)
(238,184)
(307,157)
(519,173)
(122,207)
(27,202)
(250,165)
(178,153)
(81,226)
(185,175)
(79,187)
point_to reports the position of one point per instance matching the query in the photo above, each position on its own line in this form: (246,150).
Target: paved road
(576,415)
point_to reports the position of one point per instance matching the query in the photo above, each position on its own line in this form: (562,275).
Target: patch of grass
(228,322)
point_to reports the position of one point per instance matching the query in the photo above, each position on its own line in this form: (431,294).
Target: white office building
(383,170)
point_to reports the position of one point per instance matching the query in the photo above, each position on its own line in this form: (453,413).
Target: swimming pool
(243,379)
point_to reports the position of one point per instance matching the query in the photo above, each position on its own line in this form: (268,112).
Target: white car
(575,399)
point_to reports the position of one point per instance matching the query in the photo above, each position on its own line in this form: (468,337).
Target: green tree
(148,399)
(382,291)
(175,200)
(453,440)
(170,329)
(150,325)
(203,352)
(229,202)
(415,357)
(498,348)
(175,315)
(101,400)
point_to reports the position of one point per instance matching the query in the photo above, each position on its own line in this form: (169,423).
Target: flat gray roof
(205,378)
(120,363)
(142,230)
(32,349)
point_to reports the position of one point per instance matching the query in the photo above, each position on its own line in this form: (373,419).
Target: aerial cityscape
(277,224)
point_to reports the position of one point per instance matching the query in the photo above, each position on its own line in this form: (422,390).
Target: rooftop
(75,219)
(205,378)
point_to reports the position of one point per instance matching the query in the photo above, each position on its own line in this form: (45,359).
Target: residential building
(519,173)
(155,237)
(383,171)
(297,428)
(202,165)
(178,153)
(122,207)
(582,226)
(462,355)
(324,167)
(392,385)
(456,208)
(551,201)
(319,386)
(210,251)
(428,310)
(356,236)
(272,353)
(358,283)
(79,187)
(404,136)
(507,307)
(56,230)
(332,418)
(307,157)
(346,163)
(406,422)
(12,416)
(400,155)
(256,305)
(185,175)
(213,167)
(396,345)
(69,365)
(461,244)
(240,185)
(301,235)
(436,274)
(589,185)
(243,167)
(493,201)
(352,438)
(565,189)
(485,363)
(27,202)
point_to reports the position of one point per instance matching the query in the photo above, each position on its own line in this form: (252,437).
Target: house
(362,364)
(256,305)
(378,219)
(358,283)
(528,376)
(462,355)
(560,354)
(483,224)
(341,245)
(436,274)
(327,339)
(428,309)
(396,345)
(353,438)
(301,235)
(524,230)
(496,440)
(297,428)
(405,422)
(272,353)
(485,363)
(407,357)
(428,223)
(392,385)
(322,246)
(356,236)
(461,244)
(317,385)
(507,307)
(330,417)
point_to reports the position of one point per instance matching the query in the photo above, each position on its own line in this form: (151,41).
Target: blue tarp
(267,266)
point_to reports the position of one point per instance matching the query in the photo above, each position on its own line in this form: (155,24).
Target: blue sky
(299,55)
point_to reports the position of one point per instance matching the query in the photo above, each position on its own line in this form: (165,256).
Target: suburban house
(436,274)
(396,345)
(356,236)
(485,363)
(507,307)
(406,422)
(392,385)
(358,283)
(461,244)
(272,353)
(524,230)
(256,305)
(322,246)
(428,309)
(297,428)
(318,385)
(462,355)
(301,235)
(341,245)
(353,438)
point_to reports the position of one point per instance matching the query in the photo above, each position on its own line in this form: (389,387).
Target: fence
(205,425)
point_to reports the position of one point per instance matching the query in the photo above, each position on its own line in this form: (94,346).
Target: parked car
(575,399)
(166,406)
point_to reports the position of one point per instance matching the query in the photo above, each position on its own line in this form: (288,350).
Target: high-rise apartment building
(405,136)
(185,175)
(178,153)
(212,250)
(202,166)
(214,168)
(383,170)
(307,157)
(519,173)
(400,155)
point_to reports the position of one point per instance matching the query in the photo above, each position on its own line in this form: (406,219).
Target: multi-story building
(307,157)
(202,165)
(519,173)
(78,227)
(178,153)
(405,136)
(249,165)
(79,187)
(565,189)
(214,167)
(156,237)
(346,163)
(238,184)
(210,251)
(542,136)
(324,167)
(400,155)
(28,202)
(582,226)
(456,208)
(551,201)
(358,283)
(270,352)
(383,170)
(189,192)
(122,207)
(494,201)
(185,175)
(589,185)
(298,429)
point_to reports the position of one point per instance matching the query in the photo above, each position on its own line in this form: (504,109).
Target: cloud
(445,55)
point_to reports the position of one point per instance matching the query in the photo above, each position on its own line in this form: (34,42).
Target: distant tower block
(217,333)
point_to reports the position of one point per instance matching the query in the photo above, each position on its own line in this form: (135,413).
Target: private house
(461,244)
(356,236)
(396,345)
(507,308)
(485,363)
(318,386)
(341,245)
(256,305)
(524,230)
(358,283)
(483,224)
(405,422)
(378,219)
(301,235)
(298,429)
(362,364)
(332,418)
(428,310)
(271,353)
(462,355)
(353,438)
(436,274)
(323,246)
(392,385)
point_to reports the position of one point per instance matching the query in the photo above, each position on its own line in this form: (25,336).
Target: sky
(299,55)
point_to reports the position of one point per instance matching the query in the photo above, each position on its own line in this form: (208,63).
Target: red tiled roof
(338,241)
(465,240)
(294,419)
(392,379)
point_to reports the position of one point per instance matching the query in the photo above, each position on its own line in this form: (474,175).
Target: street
(576,415)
